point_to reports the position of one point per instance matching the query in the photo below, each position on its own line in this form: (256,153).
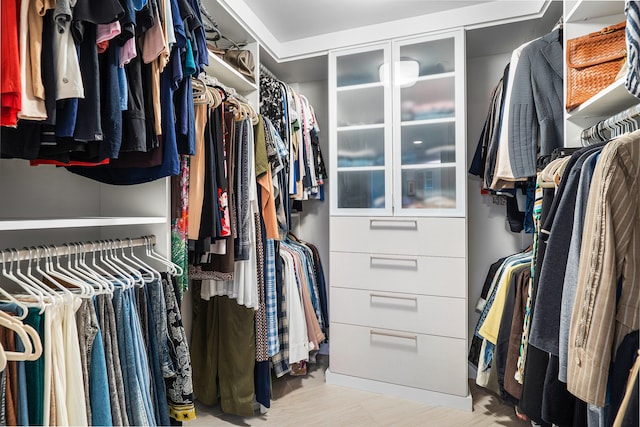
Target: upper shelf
(228,75)
(606,103)
(588,9)
(50,223)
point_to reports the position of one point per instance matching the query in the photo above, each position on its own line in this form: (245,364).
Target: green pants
(223,353)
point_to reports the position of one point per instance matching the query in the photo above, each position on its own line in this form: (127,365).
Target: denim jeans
(154,350)
(117,394)
(142,362)
(99,385)
(136,408)
(158,308)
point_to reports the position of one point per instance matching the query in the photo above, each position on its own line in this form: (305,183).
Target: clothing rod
(71,248)
(265,70)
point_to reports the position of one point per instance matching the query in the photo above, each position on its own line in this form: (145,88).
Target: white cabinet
(398,227)
(397,128)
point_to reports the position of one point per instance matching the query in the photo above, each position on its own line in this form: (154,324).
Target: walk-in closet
(250,212)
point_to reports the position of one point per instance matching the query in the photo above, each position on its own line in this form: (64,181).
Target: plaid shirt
(271,297)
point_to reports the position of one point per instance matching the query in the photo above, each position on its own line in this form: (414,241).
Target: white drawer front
(443,237)
(399,273)
(415,360)
(403,312)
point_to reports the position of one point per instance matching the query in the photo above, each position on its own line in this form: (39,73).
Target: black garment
(533,385)
(556,400)
(619,375)
(210,224)
(127,22)
(134,127)
(110,102)
(102,12)
(488,130)
(88,124)
(492,148)
(262,383)
(630,418)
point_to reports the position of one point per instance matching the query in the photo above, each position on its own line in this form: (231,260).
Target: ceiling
(286,22)
(295,35)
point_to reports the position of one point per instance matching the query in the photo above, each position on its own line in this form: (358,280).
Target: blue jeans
(99,385)
(136,408)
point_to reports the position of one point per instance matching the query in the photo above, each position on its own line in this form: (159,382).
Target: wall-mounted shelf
(228,75)
(608,102)
(80,222)
(584,10)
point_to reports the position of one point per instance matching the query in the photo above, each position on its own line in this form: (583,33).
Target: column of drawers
(398,301)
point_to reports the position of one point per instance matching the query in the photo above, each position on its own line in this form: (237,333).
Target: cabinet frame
(392,126)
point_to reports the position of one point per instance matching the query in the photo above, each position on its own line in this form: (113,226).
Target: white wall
(489,235)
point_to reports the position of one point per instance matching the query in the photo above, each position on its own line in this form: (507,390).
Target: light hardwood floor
(309,401)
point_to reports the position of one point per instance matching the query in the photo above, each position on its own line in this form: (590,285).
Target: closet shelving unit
(398,253)
(228,75)
(584,17)
(49,205)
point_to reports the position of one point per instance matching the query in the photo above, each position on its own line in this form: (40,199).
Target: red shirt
(10,85)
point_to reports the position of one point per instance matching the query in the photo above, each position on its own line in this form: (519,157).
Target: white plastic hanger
(135,264)
(56,299)
(111,279)
(48,296)
(174,269)
(57,270)
(137,276)
(104,286)
(97,285)
(22,306)
(45,272)
(154,273)
(118,272)
(9,274)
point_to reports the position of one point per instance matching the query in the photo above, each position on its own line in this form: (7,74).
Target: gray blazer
(536,107)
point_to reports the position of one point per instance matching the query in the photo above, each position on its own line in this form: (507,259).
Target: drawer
(415,360)
(399,273)
(443,237)
(403,312)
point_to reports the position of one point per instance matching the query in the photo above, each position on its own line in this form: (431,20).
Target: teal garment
(189,61)
(35,372)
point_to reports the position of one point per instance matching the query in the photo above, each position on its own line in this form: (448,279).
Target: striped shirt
(632,29)
(609,266)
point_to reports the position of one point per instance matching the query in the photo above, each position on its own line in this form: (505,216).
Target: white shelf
(450,74)
(359,168)
(81,222)
(586,9)
(429,121)
(608,102)
(428,166)
(359,87)
(361,127)
(228,75)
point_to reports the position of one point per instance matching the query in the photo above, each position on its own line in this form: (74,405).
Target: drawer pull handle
(408,263)
(394,335)
(382,224)
(402,297)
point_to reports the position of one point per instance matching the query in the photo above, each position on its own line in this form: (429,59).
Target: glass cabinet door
(429,154)
(360,113)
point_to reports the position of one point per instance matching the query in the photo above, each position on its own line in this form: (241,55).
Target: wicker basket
(593,61)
